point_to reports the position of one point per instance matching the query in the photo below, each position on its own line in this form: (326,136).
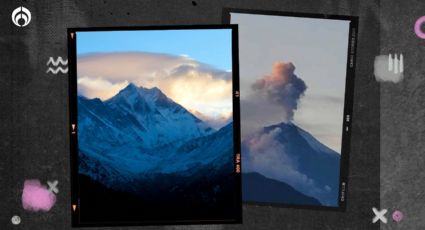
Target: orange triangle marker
(74,206)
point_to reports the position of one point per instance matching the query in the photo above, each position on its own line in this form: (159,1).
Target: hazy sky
(184,66)
(211,46)
(318,50)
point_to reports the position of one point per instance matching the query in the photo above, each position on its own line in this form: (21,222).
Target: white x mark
(379,215)
(52,186)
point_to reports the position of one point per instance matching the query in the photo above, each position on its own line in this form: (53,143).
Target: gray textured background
(34,107)
(402,117)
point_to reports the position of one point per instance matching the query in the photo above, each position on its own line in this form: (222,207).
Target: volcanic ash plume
(282,88)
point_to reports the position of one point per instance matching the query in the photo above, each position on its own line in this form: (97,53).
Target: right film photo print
(296,90)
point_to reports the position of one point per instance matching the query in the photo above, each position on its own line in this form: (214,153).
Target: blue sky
(210,46)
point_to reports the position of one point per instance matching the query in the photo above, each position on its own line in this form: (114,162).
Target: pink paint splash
(37,197)
(397,216)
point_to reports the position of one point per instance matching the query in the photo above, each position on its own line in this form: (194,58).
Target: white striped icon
(395,65)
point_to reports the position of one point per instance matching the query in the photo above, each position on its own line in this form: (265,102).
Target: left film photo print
(155,128)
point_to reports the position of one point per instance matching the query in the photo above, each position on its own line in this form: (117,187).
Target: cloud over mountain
(194,85)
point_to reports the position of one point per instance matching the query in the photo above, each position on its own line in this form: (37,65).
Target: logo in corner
(21,16)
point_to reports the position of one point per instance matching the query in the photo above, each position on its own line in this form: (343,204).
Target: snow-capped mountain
(145,116)
(304,157)
(140,136)
(211,155)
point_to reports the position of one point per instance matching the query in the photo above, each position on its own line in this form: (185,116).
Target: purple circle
(418,25)
(397,216)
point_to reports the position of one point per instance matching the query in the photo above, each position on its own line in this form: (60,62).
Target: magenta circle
(397,216)
(418,25)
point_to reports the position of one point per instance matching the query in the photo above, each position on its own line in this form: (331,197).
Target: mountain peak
(284,126)
(286,123)
(131,87)
(153,110)
(150,91)
(155,89)
(291,131)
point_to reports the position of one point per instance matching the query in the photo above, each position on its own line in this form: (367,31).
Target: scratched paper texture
(34,105)
(402,117)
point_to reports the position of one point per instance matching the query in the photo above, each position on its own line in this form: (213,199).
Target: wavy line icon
(56,63)
(57,70)
(58,60)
